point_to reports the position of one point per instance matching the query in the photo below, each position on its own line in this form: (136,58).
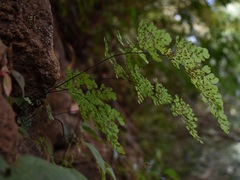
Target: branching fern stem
(86,70)
(155,42)
(191,57)
(93,101)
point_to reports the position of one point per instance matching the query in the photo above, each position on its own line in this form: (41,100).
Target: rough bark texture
(28,26)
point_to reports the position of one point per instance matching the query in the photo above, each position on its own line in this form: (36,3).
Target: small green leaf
(206,69)
(120,39)
(225,128)
(214,81)
(205,53)
(106,53)
(210,76)
(143,56)
(223,116)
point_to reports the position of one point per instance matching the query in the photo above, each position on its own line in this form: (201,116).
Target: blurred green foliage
(29,167)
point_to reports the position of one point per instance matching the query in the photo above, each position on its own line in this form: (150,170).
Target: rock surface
(28,26)
(8,131)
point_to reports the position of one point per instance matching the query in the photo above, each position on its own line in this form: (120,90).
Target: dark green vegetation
(149,65)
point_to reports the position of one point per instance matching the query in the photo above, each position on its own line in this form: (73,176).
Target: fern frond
(180,108)
(143,86)
(161,95)
(152,39)
(92,104)
(155,42)
(190,57)
(120,72)
(152,45)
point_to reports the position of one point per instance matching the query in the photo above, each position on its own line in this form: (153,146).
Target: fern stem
(95,65)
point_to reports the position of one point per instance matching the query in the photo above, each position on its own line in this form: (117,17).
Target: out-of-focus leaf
(171,173)
(98,157)
(110,171)
(104,167)
(7,84)
(19,78)
(30,167)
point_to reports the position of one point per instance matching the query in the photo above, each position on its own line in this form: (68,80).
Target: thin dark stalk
(95,65)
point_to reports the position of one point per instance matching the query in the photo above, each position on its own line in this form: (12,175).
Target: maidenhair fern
(152,45)
(92,104)
(180,108)
(155,43)
(190,57)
